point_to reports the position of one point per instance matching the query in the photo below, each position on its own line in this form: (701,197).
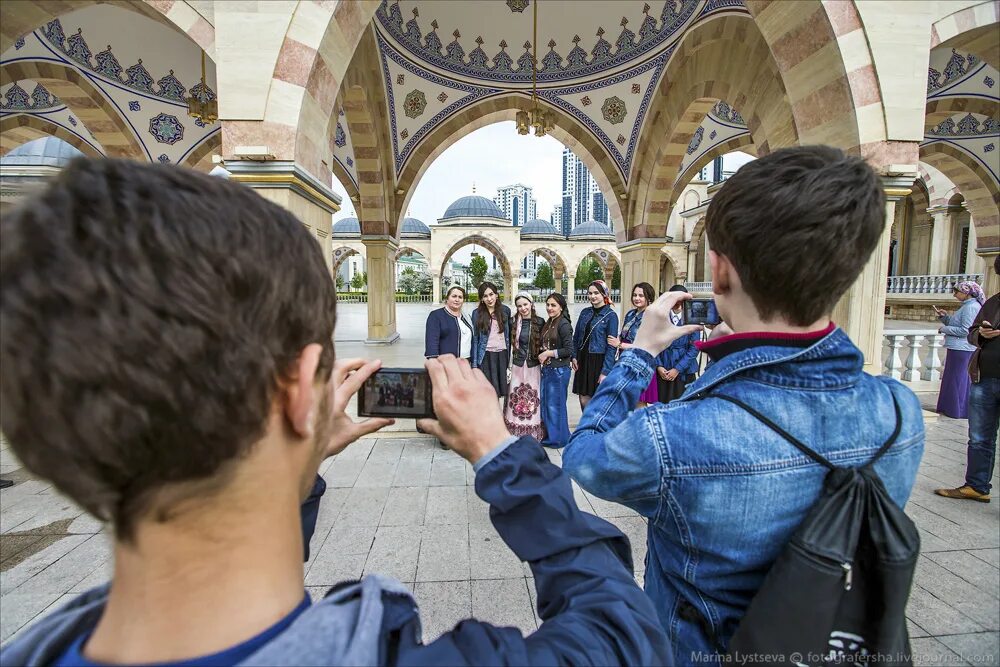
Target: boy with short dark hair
(723,493)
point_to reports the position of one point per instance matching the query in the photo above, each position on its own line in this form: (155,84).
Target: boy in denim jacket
(723,493)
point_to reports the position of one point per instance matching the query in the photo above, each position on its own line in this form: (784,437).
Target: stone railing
(912,355)
(699,288)
(928,284)
(362,297)
(580,296)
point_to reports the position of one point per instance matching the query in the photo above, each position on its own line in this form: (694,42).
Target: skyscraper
(517,203)
(556,217)
(582,199)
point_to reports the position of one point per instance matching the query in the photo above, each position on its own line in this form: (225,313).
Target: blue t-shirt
(73,656)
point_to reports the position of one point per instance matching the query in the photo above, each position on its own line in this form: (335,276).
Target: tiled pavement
(404,507)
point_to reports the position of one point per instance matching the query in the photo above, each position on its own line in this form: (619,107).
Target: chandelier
(541,121)
(203,105)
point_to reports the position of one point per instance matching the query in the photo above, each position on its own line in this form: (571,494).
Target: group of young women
(528,359)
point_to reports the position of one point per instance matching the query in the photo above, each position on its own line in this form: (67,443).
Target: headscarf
(973,289)
(517,320)
(602,287)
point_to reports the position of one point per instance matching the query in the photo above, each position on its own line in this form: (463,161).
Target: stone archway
(84,101)
(981,191)
(22,128)
(502,108)
(494,246)
(971,29)
(200,157)
(342,252)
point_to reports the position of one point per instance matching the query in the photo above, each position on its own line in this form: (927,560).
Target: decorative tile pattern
(989,81)
(585,100)
(443,97)
(134,106)
(727,114)
(39,100)
(166,128)
(989,148)
(621,140)
(340,137)
(19,44)
(518,5)
(958,66)
(350,162)
(967,126)
(400,79)
(163,159)
(414,104)
(578,63)
(695,140)
(17,98)
(106,64)
(713,135)
(72,121)
(404,134)
(636,89)
(614,110)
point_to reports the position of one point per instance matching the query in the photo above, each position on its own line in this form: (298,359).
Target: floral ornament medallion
(524,401)
(614,110)
(414,104)
(166,128)
(517,5)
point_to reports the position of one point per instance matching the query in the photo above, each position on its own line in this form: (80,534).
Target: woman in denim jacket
(676,366)
(594,357)
(953,397)
(642,296)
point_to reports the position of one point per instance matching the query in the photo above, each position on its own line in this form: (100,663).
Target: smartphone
(397,392)
(701,311)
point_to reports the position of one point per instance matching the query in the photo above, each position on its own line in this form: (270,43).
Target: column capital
(387,241)
(284,174)
(645,243)
(897,186)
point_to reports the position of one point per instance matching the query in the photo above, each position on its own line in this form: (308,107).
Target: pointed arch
(980,189)
(22,128)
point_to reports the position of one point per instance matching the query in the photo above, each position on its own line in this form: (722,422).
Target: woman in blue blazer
(448,330)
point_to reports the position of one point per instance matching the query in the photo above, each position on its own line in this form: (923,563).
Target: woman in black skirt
(491,338)
(594,357)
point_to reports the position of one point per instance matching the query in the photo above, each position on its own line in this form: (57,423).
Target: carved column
(640,263)
(381,255)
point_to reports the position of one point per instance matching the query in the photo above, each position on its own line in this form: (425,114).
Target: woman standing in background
(491,337)
(953,397)
(677,365)
(448,330)
(555,357)
(523,414)
(642,296)
(594,357)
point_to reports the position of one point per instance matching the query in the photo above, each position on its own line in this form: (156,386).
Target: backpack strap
(805,449)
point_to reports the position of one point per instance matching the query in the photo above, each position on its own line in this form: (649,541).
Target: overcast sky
(490,157)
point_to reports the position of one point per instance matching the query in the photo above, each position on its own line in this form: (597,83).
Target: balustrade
(921,351)
(941,284)
(699,288)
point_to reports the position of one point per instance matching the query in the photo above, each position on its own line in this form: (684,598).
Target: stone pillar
(511,287)
(640,263)
(940,241)
(287,184)
(570,287)
(861,311)
(991,281)
(381,253)
(436,289)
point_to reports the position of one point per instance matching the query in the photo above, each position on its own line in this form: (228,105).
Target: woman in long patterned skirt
(523,414)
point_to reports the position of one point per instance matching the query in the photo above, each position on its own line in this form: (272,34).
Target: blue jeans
(555,391)
(984,419)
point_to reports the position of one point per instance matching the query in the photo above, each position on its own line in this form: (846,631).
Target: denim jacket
(721,491)
(606,325)
(479,339)
(682,355)
(956,327)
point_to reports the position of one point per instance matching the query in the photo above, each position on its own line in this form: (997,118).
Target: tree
(340,282)
(544,278)
(478,269)
(616,277)
(412,281)
(588,271)
(496,277)
(359,280)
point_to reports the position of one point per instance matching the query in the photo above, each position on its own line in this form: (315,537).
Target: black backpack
(837,593)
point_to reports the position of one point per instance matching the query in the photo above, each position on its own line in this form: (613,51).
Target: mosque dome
(592,229)
(415,229)
(47,152)
(473,206)
(346,227)
(539,228)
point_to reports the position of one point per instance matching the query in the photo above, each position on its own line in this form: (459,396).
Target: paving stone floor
(403,507)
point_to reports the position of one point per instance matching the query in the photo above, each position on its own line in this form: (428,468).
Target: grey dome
(473,206)
(347,227)
(592,229)
(47,151)
(415,229)
(539,227)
